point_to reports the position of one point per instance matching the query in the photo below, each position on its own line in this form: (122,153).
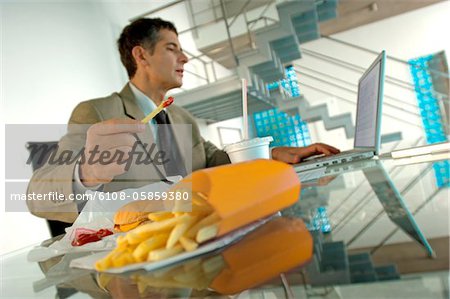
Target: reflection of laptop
(335,170)
(368,120)
(393,204)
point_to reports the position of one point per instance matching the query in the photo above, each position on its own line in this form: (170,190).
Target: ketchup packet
(84,236)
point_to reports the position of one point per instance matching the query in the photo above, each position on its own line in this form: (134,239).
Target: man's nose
(184,58)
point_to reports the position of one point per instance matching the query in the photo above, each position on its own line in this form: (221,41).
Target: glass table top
(372,229)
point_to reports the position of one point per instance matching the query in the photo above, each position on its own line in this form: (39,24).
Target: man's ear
(138,53)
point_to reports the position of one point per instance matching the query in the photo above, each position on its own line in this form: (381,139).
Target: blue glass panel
(430,113)
(320,221)
(286,130)
(289,84)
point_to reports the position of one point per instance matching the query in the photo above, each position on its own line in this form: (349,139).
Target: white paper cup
(256,148)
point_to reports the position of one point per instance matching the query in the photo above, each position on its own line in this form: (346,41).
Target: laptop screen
(369,103)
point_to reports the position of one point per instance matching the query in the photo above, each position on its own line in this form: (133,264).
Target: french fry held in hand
(169,234)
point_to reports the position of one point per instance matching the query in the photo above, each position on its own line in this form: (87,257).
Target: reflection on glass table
(394,205)
(260,258)
(372,226)
(364,215)
(273,249)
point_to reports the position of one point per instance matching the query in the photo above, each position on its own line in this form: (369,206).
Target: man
(154,60)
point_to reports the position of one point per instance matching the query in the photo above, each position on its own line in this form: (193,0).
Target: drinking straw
(244,107)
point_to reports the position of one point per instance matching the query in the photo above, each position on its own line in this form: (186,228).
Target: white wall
(54,55)
(211,131)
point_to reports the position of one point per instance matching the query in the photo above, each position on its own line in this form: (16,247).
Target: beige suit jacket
(59,178)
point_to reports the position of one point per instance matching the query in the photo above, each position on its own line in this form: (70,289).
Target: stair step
(306,26)
(283,43)
(387,272)
(222,100)
(286,48)
(391,137)
(359,258)
(308,36)
(362,268)
(334,257)
(297,19)
(327,10)
(361,278)
(284,28)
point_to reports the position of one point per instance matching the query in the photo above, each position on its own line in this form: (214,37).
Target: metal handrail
(387,56)
(239,13)
(212,7)
(353,103)
(196,75)
(354,92)
(230,41)
(196,27)
(353,67)
(359,69)
(156,10)
(254,21)
(262,13)
(349,83)
(192,56)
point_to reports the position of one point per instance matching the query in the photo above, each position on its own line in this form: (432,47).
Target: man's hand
(294,155)
(108,139)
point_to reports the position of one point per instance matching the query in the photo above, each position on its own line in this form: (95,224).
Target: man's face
(166,64)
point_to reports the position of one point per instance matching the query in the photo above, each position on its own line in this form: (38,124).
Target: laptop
(394,206)
(368,120)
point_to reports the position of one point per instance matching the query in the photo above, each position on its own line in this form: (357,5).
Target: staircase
(275,46)
(260,57)
(309,113)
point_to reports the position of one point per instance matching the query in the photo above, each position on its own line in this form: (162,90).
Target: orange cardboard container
(245,192)
(276,247)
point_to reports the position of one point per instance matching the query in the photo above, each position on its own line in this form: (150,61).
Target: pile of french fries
(168,234)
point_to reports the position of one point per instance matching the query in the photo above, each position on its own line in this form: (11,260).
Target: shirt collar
(144,102)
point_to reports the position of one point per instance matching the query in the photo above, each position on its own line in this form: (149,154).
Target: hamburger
(132,215)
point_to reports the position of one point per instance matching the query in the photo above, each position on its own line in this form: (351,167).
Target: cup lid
(248,143)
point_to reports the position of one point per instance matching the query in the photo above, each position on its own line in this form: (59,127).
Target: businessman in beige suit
(154,60)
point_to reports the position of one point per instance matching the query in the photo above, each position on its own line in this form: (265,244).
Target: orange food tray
(245,192)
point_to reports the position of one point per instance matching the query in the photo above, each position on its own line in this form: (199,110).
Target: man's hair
(142,32)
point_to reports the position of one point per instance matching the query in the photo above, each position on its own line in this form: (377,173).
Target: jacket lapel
(129,103)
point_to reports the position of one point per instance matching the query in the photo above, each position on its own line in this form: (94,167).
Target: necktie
(168,144)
